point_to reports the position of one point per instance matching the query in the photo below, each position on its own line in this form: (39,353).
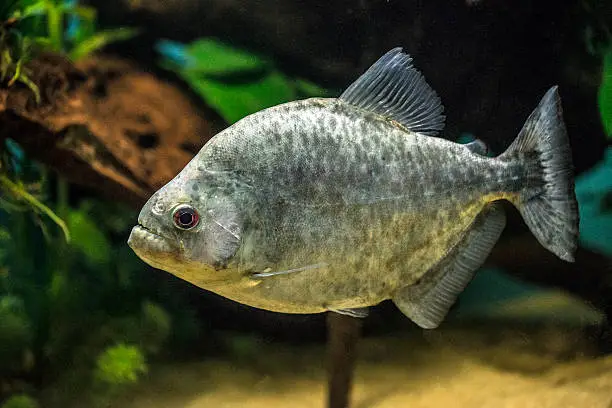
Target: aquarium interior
(101,103)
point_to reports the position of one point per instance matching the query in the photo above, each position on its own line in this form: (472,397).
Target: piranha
(337,204)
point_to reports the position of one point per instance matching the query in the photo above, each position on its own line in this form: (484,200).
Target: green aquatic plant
(20,401)
(30,26)
(26,28)
(605,92)
(16,334)
(15,52)
(81,39)
(598,42)
(19,195)
(120,365)
(71,304)
(18,192)
(155,327)
(233,81)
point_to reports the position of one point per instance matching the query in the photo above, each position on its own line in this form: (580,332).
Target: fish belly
(361,258)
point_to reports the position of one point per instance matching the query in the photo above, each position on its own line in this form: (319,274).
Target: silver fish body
(339,204)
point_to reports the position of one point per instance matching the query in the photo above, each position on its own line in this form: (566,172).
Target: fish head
(190,230)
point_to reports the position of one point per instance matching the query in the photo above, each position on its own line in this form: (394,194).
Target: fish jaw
(165,254)
(154,249)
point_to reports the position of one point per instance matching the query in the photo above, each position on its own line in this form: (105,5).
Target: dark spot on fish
(304,138)
(332,122)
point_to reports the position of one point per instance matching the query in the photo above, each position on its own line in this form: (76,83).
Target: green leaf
(234,101)
(85,24)
(605,93)
(120,365)
(17,191)
(100,40)
(36,9)
(211,57)
(310,89)
(40,42)
(21,401)
(87,237)
(84,12)
(234,82)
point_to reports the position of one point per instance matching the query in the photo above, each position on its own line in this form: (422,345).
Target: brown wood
(343,335)
(105,124)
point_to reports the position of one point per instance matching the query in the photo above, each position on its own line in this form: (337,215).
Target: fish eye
(185,217)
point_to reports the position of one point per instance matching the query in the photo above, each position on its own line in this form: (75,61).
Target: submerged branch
(104,124)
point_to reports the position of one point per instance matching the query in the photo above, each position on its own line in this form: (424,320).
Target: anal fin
(427,303)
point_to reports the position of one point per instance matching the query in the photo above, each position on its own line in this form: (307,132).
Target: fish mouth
(152,247)
(167,254)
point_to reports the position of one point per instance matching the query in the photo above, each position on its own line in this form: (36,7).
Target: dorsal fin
(392,87)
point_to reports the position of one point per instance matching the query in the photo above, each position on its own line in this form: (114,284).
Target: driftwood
(104,124)
(343,335)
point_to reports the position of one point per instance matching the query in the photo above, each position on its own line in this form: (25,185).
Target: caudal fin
(550,211)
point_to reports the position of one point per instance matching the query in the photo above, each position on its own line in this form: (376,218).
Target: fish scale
(337,204)
(396,204)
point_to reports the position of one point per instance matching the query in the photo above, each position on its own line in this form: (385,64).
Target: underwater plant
(233,81)
(16,334)
(19,194)
(20,401)
(28,27)
(59,307)
(117,367)
(598,42)
(120,365)
(48,30)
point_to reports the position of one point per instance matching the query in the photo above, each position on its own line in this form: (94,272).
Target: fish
(338,204)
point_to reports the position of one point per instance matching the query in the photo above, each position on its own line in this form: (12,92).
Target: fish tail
(546,199)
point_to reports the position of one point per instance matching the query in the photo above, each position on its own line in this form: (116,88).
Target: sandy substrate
(492,368)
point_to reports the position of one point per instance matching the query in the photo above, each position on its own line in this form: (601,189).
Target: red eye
(186,217)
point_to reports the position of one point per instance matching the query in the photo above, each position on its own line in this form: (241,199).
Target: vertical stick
(343,334)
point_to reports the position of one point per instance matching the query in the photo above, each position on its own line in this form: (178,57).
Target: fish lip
(142,228)
(139,232)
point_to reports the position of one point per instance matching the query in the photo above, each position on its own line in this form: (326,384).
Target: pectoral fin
(428,302)
(359,312)
(268,272)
